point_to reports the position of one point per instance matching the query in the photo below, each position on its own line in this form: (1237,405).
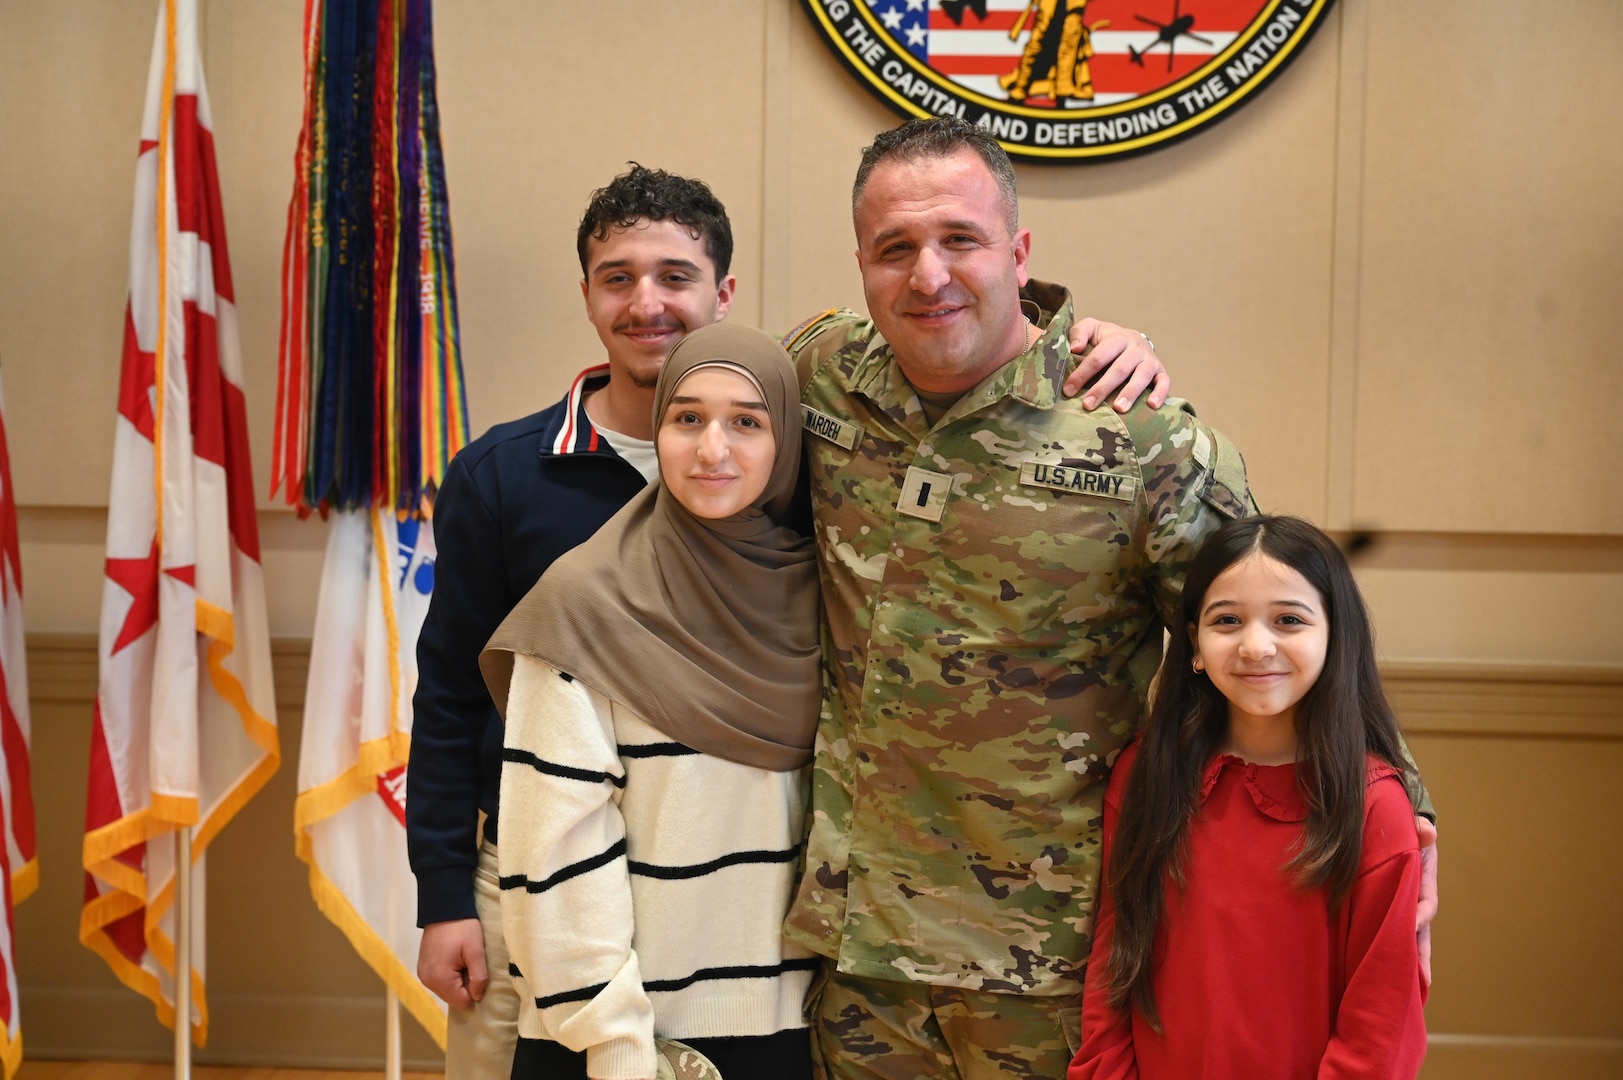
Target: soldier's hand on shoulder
(1124,362)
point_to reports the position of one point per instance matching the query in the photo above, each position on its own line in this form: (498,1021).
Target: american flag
(979,43)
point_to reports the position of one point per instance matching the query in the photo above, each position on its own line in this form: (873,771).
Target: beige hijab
(706,629)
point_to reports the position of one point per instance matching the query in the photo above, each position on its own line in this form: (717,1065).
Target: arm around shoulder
(814,341)
(1194,479)
(1115,358)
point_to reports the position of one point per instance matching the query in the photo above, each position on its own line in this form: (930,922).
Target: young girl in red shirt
(1262,865)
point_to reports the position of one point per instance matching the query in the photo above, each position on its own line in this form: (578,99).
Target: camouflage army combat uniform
(995,590)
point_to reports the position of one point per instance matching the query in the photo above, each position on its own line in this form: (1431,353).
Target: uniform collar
(572,431)
(1033,378)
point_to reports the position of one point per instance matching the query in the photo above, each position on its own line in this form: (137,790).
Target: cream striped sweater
(644,884)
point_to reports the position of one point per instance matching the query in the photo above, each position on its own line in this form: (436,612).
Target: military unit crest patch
(1069,80)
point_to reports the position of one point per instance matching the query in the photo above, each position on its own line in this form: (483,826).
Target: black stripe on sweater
(749,971)
(658,749)
(573,870)
(736,858)
(746,971)
(585,993)
(524,757)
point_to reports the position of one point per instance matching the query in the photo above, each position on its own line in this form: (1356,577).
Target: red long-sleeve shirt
(1256,978)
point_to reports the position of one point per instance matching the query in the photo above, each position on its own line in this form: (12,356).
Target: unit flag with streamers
(369,411)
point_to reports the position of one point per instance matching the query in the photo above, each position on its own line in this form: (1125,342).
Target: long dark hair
(1343,718)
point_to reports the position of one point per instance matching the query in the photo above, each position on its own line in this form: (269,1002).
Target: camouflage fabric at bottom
(679,1061)
(877,1029)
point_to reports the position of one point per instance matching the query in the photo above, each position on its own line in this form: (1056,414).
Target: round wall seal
(1069,80)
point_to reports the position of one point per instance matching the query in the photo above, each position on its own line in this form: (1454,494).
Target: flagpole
(183,953)
(391,1053)
(391,1021)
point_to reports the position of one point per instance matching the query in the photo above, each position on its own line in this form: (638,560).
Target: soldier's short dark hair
(640,194)
(940,137)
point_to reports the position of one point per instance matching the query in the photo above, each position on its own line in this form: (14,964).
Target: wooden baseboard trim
(1499,700)
(1516,1057)
(62,667)
(263,1030)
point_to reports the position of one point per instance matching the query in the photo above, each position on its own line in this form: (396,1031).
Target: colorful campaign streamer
(370,410)
(370,404)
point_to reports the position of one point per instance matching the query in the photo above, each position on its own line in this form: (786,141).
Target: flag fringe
(24,880)
(11,1052)
(143,982)
(417,999)
(132,887)
(373,759)
(169,812)
(103,845)
(235,799)
(105,910)
(381,565)
(125,884)
(160,354)
(216,622)
(230,689)
(200,1012)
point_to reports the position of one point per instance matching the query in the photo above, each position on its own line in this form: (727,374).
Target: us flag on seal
(185,721)
(1065,53)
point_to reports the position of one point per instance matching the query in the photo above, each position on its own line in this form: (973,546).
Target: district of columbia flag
(19,872)
(184,730)
(350,817)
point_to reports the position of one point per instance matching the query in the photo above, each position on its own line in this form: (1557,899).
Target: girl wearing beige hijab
(660,687)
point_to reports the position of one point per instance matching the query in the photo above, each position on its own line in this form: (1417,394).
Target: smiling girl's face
(716,449)
(1262,638)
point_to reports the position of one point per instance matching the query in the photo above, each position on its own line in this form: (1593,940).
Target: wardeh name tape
(839,432)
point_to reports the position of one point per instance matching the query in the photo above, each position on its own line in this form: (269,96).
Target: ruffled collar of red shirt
(1273,788)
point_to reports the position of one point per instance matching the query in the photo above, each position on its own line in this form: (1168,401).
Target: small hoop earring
(1194,665)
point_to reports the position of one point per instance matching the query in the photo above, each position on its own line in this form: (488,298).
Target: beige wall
(1392,278)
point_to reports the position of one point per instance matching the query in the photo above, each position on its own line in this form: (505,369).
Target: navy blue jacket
(514,500)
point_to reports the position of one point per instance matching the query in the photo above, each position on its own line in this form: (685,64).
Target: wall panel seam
(1345,267)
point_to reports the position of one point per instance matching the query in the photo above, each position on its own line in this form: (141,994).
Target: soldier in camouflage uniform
(999,563)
